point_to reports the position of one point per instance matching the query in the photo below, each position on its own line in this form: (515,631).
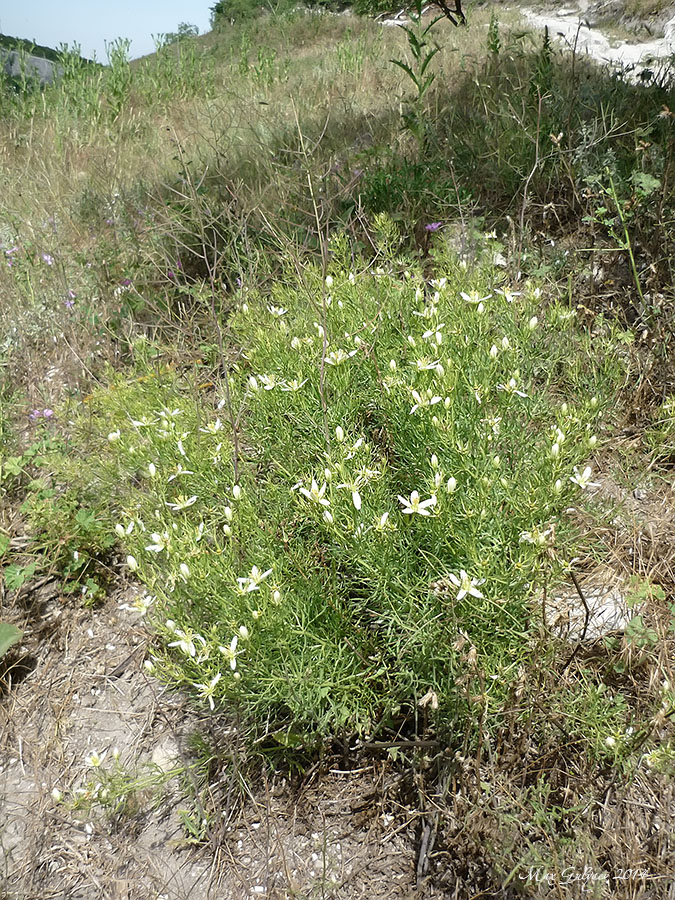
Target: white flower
(186,642)
(315,493)
(292,386)
(511,387)
(252,582)
(158,542)
(451,485)
(473,297)
(95,759)
(392,365)
(329,281)
(414,505)
(114,436)
(184,570)
(277,311)
(152,470)
(466,585)
(276,597)
(179,471)
(532,324)
(536,537)
(508,295)
(269,382)
(56,795)
(244,633)
(328,516)
(132,563)
(423,401)
(583,479)
(207,689)
(230,653)
(426,365)
(182,502)
(236,492)
(212,427)
(505,343)
(381,523)
(335,357)
(494,351)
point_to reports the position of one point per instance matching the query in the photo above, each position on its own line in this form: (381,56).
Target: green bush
(364,520)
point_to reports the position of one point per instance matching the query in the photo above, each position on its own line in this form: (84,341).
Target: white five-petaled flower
(537,537)
(252,581)
(508,295)
(277,311)
(230,653)
(212,427)
(269,382)
(186,642)
(353,486)
(182,502)
(293,385)
(583,479)
(473,297)
(421,401)
(511,387)
(159,542)
(413,504)
(316,493)
(335,357)
(95,759)
(466,585)
(207,689)
(179,471)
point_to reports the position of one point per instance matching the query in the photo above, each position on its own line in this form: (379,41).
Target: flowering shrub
(396,489)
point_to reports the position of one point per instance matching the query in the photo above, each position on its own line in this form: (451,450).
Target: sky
(91,23)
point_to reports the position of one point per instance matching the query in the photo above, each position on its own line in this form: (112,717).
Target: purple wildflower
(47,413)
(126,282)
(433,226)
(48,259)
(171,274)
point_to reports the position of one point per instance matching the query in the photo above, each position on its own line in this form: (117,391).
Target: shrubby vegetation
(337,382)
